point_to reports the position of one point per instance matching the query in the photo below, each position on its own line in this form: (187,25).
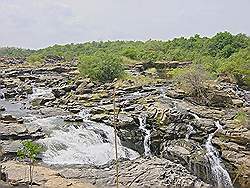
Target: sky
(40,23)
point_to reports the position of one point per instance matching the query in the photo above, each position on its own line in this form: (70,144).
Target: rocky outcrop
(43,177)
(153,172)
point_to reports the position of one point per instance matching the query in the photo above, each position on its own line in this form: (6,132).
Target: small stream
(146,142)
(220,175)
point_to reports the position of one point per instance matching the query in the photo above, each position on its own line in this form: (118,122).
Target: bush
(101,67)
(238,65)
(192,80)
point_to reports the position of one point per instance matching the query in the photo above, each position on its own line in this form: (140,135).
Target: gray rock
(141,172)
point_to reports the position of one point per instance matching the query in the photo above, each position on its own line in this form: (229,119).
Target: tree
(29,151)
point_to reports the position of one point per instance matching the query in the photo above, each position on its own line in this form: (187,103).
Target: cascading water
(88,143)
(190,129)
(220,175)
(142,121)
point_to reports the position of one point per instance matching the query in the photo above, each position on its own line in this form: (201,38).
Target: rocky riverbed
(165,138)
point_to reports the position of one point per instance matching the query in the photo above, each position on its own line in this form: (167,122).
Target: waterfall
(88,143)
(84,113)
(190,129)
(142,121)
(220,175)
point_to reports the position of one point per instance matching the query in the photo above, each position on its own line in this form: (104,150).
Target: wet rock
(2,108)
(73,119)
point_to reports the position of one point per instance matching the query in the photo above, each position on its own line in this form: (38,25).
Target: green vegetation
(241,118)
(29,151)
(223,53)
(192,80)
(15,52)
(102,67)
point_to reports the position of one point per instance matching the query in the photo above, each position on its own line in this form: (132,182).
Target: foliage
(238,65)
(101,67)
(35,59)
(30,150)
(192,80)
(223,52)
(241,118)
(15,52)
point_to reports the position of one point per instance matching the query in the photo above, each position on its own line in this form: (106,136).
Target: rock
(2,108)
(10,148)
(74,110)
(99,117)
(132,89)
(83,97)
(170,64)
(8,118)
(97,110)
(42,100)
(237,102)
(73,119)
(125,120)
(141,172)
(84,87)
(58,92)
(19,132)
(220,99)
(176,94)
(44,176)
(190,154)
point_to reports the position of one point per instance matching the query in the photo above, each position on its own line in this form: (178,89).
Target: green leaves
(29,150)
(101,67)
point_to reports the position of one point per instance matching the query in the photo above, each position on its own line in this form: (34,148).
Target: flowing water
(90,143)
(142,120)
(190,129)
(84,142)
(220,175)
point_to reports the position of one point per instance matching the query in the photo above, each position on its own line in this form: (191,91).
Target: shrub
(241,118)
(30,150)
(192,80)
(101,67)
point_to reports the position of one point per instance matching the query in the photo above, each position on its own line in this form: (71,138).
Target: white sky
(40,23)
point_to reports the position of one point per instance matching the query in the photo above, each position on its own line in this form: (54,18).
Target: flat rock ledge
(154,172)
